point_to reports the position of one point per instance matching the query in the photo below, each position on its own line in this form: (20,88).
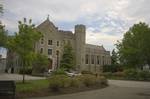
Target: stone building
(87,57)
(2,64)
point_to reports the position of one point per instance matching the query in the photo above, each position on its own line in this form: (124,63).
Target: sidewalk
(17,77)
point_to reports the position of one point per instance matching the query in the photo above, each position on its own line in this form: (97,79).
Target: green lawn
(32,85)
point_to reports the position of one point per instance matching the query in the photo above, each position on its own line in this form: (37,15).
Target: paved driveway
(17,77)
(117,90)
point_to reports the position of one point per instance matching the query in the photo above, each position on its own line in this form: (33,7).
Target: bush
(76,82)
(143,75)
(59,72)
(88,80)
(86,72)
(107,74)
(102,80)
(26,71)
(59,81)
(133,74)
(119,74)
(112,68)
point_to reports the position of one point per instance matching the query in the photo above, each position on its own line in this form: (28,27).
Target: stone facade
(2,64)
(88,57)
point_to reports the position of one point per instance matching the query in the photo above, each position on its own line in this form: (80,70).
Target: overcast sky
(106,20)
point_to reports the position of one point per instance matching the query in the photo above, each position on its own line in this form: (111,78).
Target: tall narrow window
(57,43)
(92,59)
(103,60)
(49,51)
(41,50)
(42,41)
(86,59)
(98,60)
(50,42)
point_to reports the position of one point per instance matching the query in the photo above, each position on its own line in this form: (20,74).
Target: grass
(32,85)
(40,88)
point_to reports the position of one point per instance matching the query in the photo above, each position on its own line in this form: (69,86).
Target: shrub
(26,71)
(88,80)
(86,72)
(119,74)
(59,72)
(112,68)
(131,74)
(143,75)
(107,74)
(101,80)
(59,81)
(76,82)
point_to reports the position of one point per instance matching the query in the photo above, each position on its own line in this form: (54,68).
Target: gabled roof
(95,47)
(47,24)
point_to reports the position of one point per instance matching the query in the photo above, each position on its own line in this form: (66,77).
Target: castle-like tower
(80,34)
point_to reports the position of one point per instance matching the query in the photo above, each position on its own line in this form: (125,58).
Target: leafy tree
(135,47)
(24,42)
(40,64)
(1,8)
(67,61)
(114,57)
(3,35)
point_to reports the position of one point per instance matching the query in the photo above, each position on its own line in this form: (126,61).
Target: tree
(114,57)
(24,42)
(135,47)
(3,35)
(40,64)
(1,8)
(67,61)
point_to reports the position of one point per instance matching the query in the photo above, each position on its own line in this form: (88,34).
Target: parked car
(72,74)
(48,72)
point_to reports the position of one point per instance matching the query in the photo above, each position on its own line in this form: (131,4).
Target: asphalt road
(117,90)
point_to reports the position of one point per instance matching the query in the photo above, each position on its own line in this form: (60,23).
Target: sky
(106,20)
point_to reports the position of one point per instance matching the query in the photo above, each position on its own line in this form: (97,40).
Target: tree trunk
(23,80)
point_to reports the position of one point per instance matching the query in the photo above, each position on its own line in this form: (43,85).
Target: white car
(72,74)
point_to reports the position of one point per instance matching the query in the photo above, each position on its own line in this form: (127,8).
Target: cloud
(106,20)
(101,38)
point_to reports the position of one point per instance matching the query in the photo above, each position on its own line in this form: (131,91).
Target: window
(42,41)
(103,60)
(57,43)
(92,59)
(41,50)
(86,59)
(50,42)
(49,51)
(98,60)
